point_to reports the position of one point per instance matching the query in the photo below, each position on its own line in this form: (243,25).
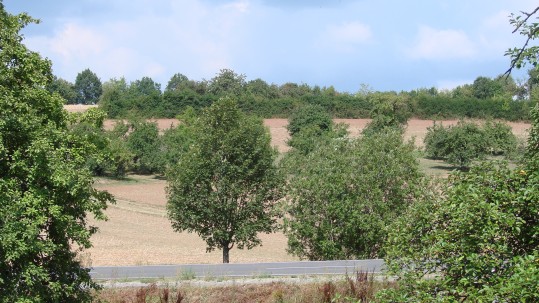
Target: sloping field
(139,233)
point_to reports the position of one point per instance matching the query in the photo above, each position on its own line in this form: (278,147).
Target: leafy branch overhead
(526,53)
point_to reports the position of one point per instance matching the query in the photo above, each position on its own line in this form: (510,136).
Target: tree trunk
(226,251)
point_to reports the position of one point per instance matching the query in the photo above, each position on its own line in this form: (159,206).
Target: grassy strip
(360,287)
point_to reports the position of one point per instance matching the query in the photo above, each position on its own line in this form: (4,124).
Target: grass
(187,274)
(360,287)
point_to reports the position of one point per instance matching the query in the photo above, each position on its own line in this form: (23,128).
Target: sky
(386,45)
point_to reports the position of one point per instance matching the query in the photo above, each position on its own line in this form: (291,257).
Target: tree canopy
(225,187)
(46,193)
(88,87)
(342,195)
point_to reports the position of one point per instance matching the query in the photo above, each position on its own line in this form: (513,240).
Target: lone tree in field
(224,188)
(46,192)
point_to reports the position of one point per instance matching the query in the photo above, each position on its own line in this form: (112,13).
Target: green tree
(389,111)
(113,98)
(309,116)
(227,83)
(145,98)
(486,88)
(88,87)
(46,193)
(342,195)
(64,88)
(144,144)
(225,187)
(473,240)
(476,239)
(458,144)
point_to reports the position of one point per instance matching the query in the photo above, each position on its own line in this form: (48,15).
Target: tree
(342,195)
(485,88)
(144,144)
(88,87)
(225,187)
(458,144)
(389,111)
(466,142)
(227,83)
(64,88)
(46,194)
(474,239)
(309,116)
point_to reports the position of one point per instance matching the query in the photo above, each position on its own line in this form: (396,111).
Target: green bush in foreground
(476,240)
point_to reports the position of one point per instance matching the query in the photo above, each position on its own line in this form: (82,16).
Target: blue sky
(387,45)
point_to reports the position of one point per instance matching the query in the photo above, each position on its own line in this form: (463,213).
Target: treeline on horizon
(498,98)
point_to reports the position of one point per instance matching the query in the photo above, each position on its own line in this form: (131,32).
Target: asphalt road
(237,270)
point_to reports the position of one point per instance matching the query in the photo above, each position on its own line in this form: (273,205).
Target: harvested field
(139,233)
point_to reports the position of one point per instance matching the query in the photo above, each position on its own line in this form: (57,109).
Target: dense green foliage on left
(46,194)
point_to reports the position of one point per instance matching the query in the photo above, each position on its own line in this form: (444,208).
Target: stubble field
(139,233)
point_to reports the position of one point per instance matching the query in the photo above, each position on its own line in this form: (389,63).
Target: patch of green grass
(187,274)
(436,168)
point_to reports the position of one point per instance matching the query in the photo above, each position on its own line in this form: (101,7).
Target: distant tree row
(498,98)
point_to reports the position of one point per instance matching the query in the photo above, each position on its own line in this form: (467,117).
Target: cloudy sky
(386,44)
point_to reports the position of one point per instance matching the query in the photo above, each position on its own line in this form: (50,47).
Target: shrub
(343,194)
(465,142)
(309,116)
(473,240)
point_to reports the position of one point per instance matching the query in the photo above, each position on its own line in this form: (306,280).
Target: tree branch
(521,50)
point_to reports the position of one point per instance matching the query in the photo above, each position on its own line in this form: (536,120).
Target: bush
(343,194)
(473,240)
(465,142)
(307,117)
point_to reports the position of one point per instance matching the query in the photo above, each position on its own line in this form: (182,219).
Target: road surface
(237,270)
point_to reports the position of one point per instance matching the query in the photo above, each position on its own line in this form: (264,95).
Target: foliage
(46,192)
(477,241)
(225,186)
(465,142)
(144,144)
(310,116)
(174,142)
(310,137)
(89,125)
(389,111)
(484,88)
(343,194)
(64,88)
(227,83)
(88,87)
(499,138)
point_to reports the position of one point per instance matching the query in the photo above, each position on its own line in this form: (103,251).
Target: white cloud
(345,37)
(441,44)
(241,6)
(75,42)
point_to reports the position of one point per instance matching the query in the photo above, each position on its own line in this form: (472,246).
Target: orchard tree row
(499,98)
